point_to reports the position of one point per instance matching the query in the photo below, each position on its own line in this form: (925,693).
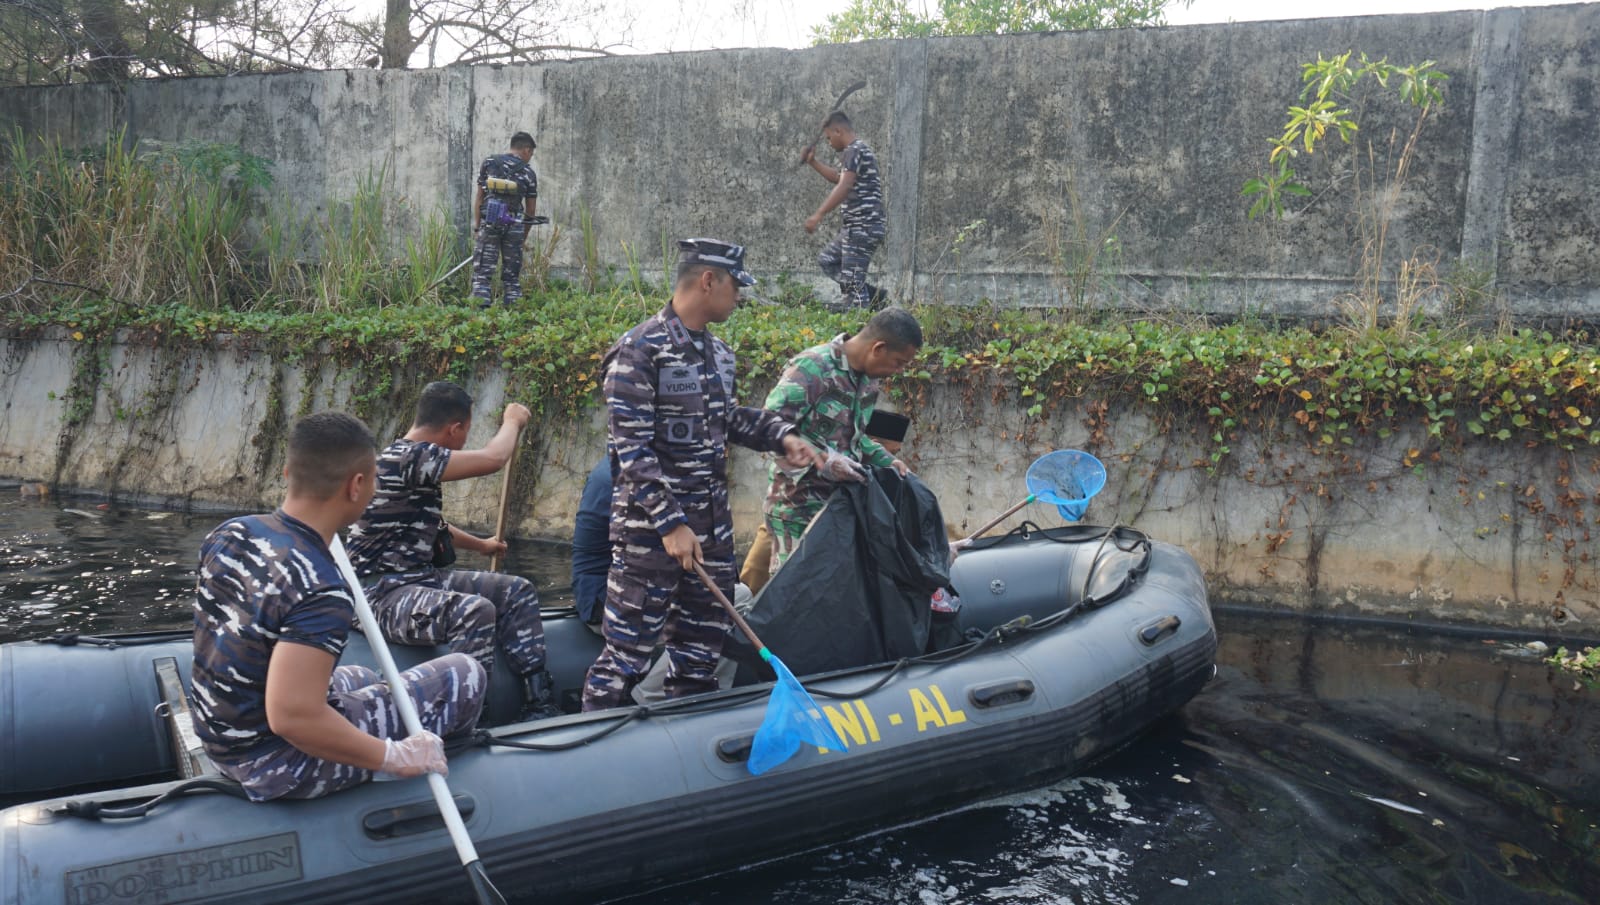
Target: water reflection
(1327,763)
(72,567)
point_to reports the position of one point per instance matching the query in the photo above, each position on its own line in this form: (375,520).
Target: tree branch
(263,55)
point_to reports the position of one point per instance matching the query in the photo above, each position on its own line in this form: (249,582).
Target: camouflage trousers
(787,523)
(845,260)
(650,598)
(448,693)
(466,610)
(497,244)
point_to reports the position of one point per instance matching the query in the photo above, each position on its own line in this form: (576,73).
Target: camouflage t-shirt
(864,205)
(263,580)
(397,532)
(510,166)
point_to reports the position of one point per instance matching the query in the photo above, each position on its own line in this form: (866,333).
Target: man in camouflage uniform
(671,414)
(828,392)
(858,187)
(508,194)
(271,617)
(402,544)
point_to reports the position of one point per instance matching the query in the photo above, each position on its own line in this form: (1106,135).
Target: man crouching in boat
(271,616)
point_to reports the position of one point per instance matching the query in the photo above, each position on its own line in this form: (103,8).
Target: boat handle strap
(411,819)
(1159,630)
(735,749)
(999,694)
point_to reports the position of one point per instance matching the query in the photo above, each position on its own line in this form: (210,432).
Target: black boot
(540,694)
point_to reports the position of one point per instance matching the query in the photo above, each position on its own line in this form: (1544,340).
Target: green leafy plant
(866,20)
(193,223)
(1584,664)
(1331,100)
(1329,87)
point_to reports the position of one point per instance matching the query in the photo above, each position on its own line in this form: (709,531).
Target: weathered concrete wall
(1490,533)
(1057,143)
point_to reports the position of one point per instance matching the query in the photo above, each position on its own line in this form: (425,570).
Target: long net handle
(726,605)
(998,519)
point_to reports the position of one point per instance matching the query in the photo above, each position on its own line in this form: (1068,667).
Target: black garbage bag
(857,589)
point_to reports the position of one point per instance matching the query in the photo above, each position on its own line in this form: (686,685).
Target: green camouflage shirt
(829,404)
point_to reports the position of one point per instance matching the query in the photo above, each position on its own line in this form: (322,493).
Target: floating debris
(1390,803)
(84,512)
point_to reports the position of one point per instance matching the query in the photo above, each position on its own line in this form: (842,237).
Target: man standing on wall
(502,209)
(669,387)
(858,187)
(829,392)
(271,617)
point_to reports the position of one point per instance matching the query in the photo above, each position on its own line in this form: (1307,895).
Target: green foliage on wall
(1330,388)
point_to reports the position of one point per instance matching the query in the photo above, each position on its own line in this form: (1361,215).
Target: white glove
(415,755)
(839,467)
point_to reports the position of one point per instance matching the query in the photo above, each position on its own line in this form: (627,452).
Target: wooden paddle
(505,502)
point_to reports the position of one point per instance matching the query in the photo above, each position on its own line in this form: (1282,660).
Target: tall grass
(194,224)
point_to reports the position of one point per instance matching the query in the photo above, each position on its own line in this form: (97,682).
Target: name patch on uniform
(200,873)
(680,381)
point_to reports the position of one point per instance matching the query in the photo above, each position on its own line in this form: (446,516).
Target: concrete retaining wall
(1491,533)
(1078,168)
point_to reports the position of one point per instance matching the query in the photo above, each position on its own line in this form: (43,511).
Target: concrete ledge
(1493,534)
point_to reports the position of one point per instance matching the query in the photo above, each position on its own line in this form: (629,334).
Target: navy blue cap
(717,253)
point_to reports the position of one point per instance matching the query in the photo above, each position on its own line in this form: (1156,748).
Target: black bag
(444,548)
(857,590)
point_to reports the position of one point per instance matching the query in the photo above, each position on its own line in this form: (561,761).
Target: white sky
(679,25)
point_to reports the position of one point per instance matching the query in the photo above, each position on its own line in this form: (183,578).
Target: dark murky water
(1327,763)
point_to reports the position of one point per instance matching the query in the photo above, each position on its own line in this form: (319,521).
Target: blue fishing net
(793,719)
(1069,478)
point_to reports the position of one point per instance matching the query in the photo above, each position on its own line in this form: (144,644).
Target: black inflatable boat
(1087,638)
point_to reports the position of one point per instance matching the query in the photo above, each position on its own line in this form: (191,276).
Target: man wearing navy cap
(671,413)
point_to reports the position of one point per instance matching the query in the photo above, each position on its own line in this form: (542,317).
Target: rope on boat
(134,639)
(1125,538)
(103,810)
(486,738)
